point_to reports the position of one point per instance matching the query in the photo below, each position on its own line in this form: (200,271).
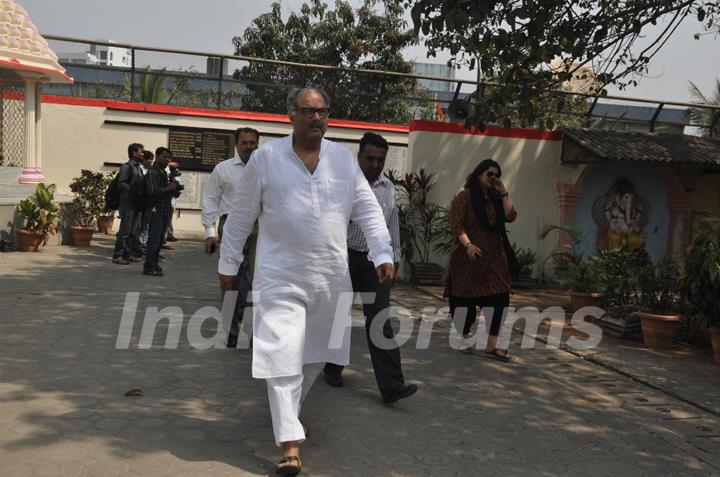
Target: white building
(99,55)
(437,70)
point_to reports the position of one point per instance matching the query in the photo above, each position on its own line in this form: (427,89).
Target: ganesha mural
(621,216)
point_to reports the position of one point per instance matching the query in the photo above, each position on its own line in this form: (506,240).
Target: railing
(108,70)
(132,73)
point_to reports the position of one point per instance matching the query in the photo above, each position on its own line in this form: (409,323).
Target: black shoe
(334,379)
(171,239)
(160,257)
(158,268)
(232,341)
(153,273)
(400,392)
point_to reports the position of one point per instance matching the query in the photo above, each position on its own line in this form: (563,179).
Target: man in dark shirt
(128,234)
(159,193)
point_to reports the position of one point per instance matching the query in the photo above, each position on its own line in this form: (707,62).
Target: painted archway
(659,185)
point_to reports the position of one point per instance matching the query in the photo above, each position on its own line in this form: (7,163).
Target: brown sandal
(289,465)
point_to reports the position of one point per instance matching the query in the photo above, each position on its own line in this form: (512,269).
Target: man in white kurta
(304,201)
(217,198)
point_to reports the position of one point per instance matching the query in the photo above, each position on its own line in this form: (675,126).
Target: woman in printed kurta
(479,275)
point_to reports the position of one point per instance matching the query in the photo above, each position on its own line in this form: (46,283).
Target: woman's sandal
(496,354)
(289,465)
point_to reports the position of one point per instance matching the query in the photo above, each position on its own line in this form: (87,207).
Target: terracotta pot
(715,338)
(81,235)
(29,240)
(581,299)
(659,330)
(105,224)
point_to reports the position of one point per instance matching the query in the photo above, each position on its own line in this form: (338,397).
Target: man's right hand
(211,245)
(227,282)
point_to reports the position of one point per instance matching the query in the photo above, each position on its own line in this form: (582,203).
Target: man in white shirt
(386,362)
(217,198)
(304,190)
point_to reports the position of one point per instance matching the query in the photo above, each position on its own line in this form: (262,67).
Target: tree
(343,37)
(514,41)
(704,117)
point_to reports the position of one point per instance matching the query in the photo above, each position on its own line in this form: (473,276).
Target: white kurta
(301,265)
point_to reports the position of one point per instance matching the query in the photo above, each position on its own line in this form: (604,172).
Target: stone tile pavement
(63,411)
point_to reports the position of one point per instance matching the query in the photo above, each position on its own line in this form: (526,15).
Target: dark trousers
(243,284)
(386,362)
(158,223)
(497,302)
(128,236)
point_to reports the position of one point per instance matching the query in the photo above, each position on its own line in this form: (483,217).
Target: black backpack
(112,195)
(137,195)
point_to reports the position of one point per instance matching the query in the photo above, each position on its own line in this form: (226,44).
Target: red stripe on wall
(459,128)
(210,113)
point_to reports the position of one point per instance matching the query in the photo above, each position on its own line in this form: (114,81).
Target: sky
(209,26)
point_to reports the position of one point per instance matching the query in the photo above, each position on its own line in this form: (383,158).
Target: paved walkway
(63,411)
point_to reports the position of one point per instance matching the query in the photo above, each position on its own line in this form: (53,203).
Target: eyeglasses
(491,174)
(310,112)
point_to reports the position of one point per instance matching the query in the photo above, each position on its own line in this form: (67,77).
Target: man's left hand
(385,272)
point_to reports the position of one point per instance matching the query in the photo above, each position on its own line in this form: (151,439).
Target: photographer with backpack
(159,191)
(128,235)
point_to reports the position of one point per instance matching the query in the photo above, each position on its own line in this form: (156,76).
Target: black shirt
(156,179)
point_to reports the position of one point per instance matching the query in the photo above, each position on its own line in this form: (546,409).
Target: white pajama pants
(286,395)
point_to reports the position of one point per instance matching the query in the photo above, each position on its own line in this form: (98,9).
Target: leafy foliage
(423,224)
(623,274)
(89,202)
(571,266)
(526,258)
(659,288)
(700,280)
(341,37)
(39,212)
(704,117)
(513,42)
(152,87)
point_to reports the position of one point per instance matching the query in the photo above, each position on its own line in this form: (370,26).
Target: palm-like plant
(571,265)
(152,87)
(704,117)
(423,224)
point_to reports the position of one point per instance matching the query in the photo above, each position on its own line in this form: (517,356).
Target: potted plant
(700,283)
(622,273)
(423,225)
(574,269)
(89,192)
(659,315)
(40,216)
(106,216)
(526,259)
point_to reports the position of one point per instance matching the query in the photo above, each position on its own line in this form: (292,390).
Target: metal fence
(140,74)
(107,70)
(12,125)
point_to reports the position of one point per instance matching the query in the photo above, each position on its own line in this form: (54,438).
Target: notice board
(197,149)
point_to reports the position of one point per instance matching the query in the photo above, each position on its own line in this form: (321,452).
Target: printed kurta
(302,265)
(482,276)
